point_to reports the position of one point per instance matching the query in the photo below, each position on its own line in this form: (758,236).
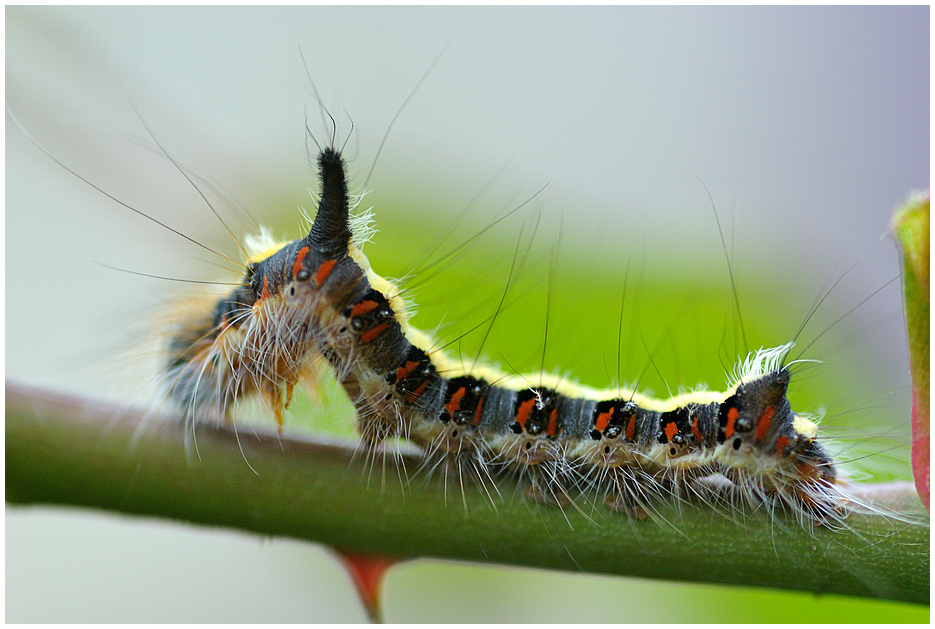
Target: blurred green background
(807,125)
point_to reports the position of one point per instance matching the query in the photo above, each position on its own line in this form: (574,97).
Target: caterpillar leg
(546,489)
(623,502)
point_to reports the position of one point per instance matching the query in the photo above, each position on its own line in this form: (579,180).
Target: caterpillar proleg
(766,171)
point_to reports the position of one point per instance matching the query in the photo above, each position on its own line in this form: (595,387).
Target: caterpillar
(318,297)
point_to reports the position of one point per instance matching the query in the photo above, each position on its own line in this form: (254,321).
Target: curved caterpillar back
(263,337)
(317,297)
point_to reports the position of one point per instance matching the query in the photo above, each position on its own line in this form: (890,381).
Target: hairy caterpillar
(211,81)
(318,296)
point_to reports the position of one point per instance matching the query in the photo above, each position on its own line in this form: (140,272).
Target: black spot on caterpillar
(763,166)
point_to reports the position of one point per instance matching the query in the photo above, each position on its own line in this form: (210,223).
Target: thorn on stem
(367,573)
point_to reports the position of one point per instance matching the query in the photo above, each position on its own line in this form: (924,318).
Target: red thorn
(367,573)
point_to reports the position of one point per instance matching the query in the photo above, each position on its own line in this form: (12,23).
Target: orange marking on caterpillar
(603,420)
(412,397)
(478,412)
(404,371)
(455,403)
(763,424)
(552,428)
(373,333)
(524,411)
(324,271)
(265,294)
(732,416)
(781,444)
(696,431)
(671,430)
(631,428)
(299,258)
(363,307)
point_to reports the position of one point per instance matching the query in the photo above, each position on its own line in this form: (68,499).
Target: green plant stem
(75,452)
